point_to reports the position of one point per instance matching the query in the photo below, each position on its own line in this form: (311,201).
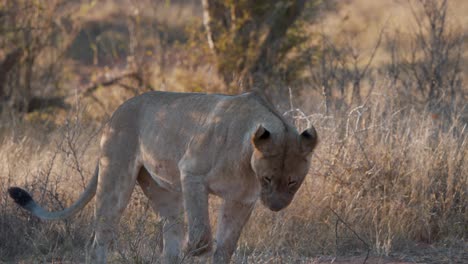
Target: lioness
(181,147)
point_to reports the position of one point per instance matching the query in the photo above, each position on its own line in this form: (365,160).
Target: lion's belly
(165,173)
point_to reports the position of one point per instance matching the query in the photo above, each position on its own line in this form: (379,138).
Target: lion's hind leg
(117,178)
(169,206)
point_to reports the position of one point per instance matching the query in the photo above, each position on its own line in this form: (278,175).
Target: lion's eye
(267,180)
(292,184)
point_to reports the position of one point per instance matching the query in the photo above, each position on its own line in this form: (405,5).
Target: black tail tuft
(20,196)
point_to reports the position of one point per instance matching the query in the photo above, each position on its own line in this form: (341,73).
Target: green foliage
(100,43)
(258,37)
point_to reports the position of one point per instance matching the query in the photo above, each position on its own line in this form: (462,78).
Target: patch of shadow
(100,43)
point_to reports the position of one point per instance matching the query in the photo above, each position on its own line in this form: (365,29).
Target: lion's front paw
(199,246)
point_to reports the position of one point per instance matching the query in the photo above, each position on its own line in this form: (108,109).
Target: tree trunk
(11,59)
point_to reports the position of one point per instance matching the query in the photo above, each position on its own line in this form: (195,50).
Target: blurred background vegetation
(384,82)
(340,51)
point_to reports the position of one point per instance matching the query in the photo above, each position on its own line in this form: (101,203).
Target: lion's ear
(308,140)
(261,138)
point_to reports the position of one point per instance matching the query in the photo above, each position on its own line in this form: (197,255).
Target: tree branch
(109,81)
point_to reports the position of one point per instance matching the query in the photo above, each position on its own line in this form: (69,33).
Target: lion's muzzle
(276,202)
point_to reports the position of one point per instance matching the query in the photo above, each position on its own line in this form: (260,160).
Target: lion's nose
(275,207)
(278,204)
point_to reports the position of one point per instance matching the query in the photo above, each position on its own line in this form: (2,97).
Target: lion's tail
(24,199)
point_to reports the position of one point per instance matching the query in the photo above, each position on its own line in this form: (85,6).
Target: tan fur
(180,148)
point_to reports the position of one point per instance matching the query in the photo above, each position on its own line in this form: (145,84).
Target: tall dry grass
(389,176)
(384,179)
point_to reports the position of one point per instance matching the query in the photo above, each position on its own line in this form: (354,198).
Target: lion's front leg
(195,193)
(232,218)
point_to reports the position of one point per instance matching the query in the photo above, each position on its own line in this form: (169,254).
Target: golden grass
(394,176)
(388,176)
(358,23)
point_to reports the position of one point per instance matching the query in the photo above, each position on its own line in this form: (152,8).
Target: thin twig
(354,232)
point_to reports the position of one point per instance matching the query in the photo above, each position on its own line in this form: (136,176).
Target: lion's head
(281,162)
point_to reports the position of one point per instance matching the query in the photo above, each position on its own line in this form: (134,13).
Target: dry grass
(360,22)
(394,176)
(390,175)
